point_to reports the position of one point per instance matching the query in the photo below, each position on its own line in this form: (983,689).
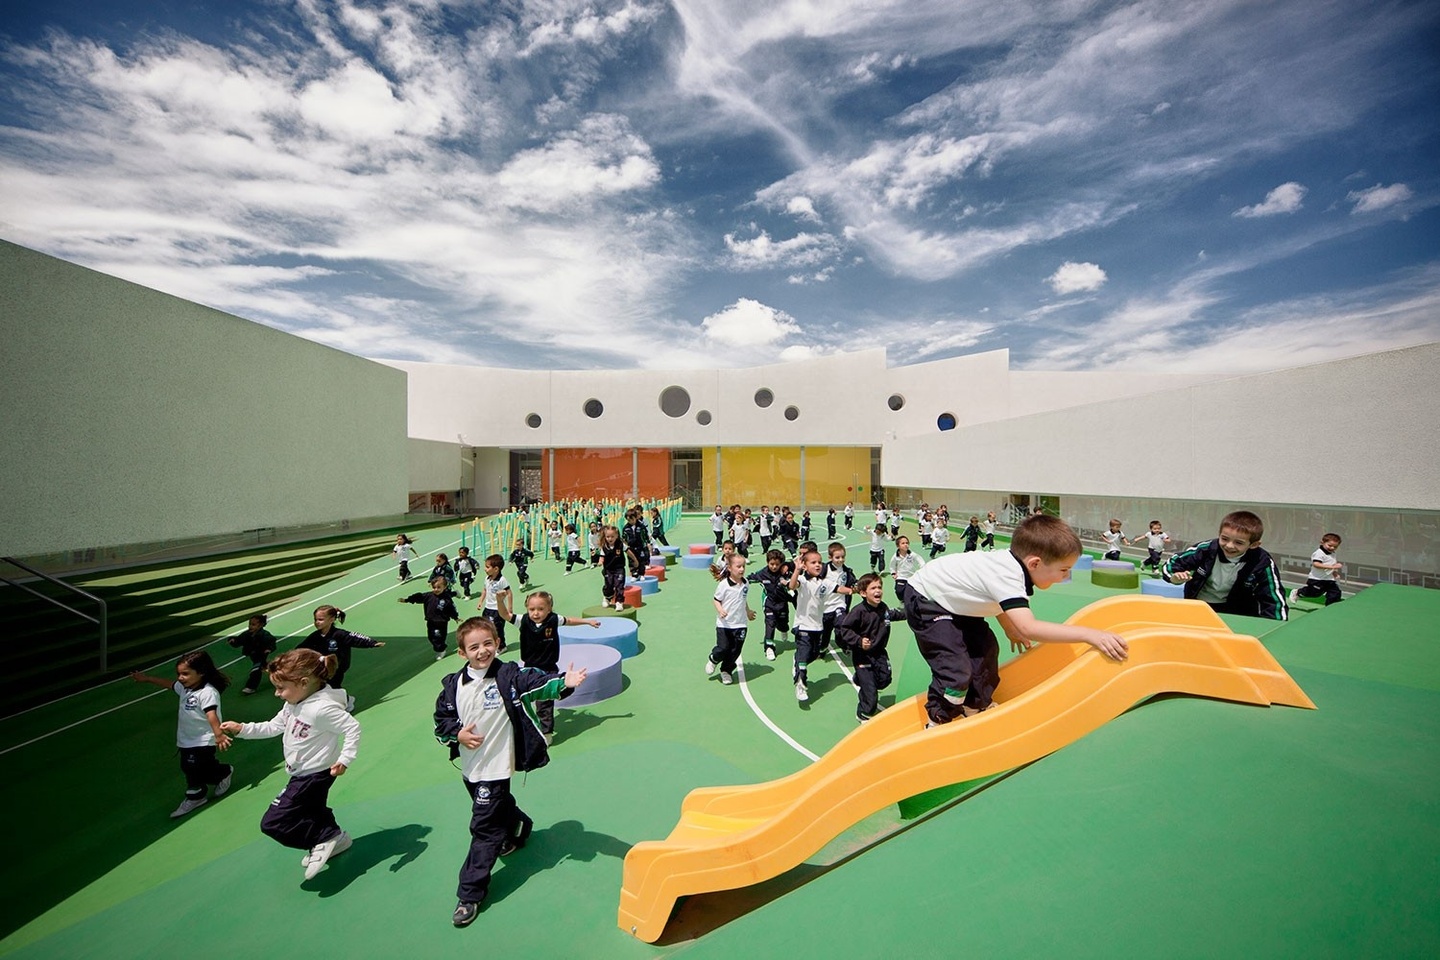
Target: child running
(971,533)
(903,566)
(485,714)
(612,567)
(257,643)
(404,552)
(465,570)
(1113,538)
(520,559)
(572,548)
(198,730)
(439,611)
(657,528)
(732,619)
(988,529)
(865,631)
(496,586)
(1155,540)
(811,591)
(443,568)
(878,535)
(540,644)
(330,640)
(774,579)
(320,742)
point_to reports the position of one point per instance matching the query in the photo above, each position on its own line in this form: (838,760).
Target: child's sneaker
(248,690)
(465,913)
(801,693)
(1294,595)
(321,853)
(619,606)
(726,677)
(769,653)
(709,667)
(350,701)
(186,806)
(440,656)
(224,785)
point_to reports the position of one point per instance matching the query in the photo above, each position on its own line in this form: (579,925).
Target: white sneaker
(619,606)
(726,677)
(321,853)
(440,656)
(186,806)
(224,785)
(769,653)
(1294,594)
(709,667)
(349,704)
(248,690)
(801,693)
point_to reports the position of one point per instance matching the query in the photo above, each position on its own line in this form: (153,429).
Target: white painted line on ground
(755,708)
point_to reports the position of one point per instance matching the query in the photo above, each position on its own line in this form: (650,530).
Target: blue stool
(647,584)
(618,632)
(603,675)
(1083,563)
(696,561)
(1159,588)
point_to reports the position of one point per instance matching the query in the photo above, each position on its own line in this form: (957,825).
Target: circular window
(946,421)
(533,421)
(674,401)
(593,408)
(896,401)
(703,418)
(792,413)
(764,397)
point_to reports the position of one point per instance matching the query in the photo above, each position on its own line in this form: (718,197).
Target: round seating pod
(669,550)
(1159,588)
(633,595)
(604,677)
(1084,562)
(696,561)
(702,548)
(1114,575)
(656,571)
(620,633)
(647,585)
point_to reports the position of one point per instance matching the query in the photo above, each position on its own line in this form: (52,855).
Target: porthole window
(533,421)
(792,413)
(674,401)
(764,397)
(946,421)
(896,401)
(593,408)
(703,418)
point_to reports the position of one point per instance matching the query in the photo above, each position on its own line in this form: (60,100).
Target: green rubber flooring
(1185,828)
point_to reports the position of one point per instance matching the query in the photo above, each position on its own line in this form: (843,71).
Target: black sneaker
(465,913)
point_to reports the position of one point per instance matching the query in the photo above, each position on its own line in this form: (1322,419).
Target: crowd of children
(498,718)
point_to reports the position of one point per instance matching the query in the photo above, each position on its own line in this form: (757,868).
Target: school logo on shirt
(482,794)
(491,699)
(299,729)
(191,701)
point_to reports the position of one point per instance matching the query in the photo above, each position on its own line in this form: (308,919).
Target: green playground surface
(1184,828)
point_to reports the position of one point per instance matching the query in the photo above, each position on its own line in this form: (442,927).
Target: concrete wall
(132,416)
(1362,432)
(435,465)
(841,400)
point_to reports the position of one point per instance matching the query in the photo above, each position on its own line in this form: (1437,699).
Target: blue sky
(1168,186)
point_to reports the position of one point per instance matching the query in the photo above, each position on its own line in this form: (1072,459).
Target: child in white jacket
(320,743)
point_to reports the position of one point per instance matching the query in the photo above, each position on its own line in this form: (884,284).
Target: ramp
(730,837)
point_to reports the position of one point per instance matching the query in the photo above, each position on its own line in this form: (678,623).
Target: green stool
(1115,574)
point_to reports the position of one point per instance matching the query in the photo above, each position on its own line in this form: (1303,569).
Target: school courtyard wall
(136,417)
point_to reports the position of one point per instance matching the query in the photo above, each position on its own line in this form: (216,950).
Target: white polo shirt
(193,727)
(975,584)
(732,597)
(478,700)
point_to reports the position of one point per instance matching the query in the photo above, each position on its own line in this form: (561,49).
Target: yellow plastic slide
(1053,695)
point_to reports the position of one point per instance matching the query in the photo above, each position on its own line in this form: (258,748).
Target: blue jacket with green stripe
(521,688)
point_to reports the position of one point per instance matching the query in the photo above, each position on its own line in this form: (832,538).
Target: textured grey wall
(134,416)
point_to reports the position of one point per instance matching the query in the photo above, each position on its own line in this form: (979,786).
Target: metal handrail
(103,621)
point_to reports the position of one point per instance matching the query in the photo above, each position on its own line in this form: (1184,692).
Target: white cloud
(1379,197)
(802,208)
(803,249)
(748,323)
(1285,198)
(1076,278)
